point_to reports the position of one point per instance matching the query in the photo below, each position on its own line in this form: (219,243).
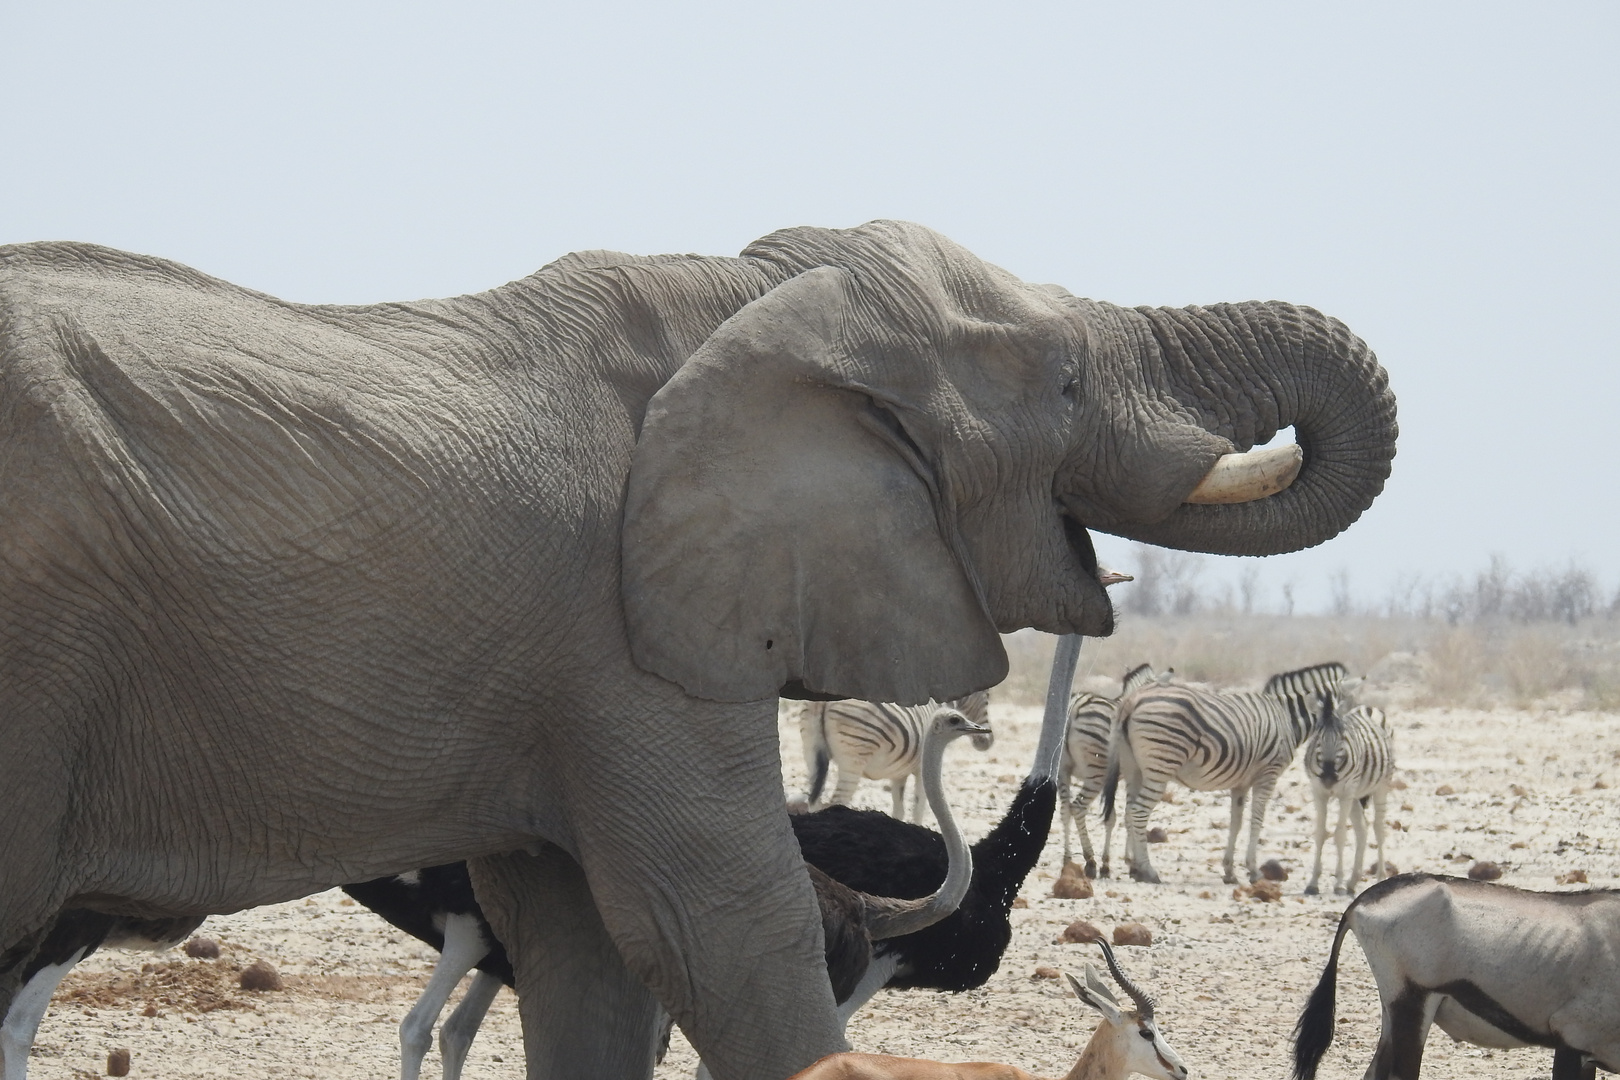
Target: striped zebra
(1350,756)
(878,742)
(1085,759)
(1211,741)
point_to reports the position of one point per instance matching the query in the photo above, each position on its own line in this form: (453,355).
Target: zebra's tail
(1110,787)
(817,754)
(1313,1034)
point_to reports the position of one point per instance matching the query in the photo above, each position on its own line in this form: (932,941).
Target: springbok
(1126,1043)
(1492,965)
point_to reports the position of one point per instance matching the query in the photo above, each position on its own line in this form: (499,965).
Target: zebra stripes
(1350,756)
(1085,759)
(1211,741)
(876,741)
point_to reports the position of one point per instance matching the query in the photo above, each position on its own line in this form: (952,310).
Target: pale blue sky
(1441,176)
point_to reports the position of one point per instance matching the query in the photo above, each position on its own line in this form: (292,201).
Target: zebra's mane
(1139,674)
(1306,680)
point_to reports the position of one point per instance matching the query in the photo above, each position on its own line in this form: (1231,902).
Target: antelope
(1127,1042)
(1492,965)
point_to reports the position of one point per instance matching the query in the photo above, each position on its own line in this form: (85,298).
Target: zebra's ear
(784,530)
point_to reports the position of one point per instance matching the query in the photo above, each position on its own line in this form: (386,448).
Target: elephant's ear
(784,531)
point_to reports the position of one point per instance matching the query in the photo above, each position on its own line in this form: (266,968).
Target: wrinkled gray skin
(293,596)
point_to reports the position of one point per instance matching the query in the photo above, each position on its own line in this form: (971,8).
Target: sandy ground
(1230,974)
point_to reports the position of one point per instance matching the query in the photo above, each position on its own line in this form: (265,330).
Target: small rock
(1484,870)
(1572,877)
(1398,784)
(1206,895)
(1519,791)
(1268,891)
(201,948)
(1445,789)
(1045,972)
(1081,932)
(1272,870)
(260,975)
(1600,784)
(1132,933)
(1072,884)
(118,1062)
(1517,844)
(1157,835)
(1020,902)
(150,1010)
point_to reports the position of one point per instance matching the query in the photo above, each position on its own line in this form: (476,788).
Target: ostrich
(437,905)
(74,935)
(873,852)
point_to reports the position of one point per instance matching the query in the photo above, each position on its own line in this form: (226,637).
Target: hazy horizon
(1441,177)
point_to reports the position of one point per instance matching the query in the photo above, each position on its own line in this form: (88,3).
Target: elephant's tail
(817,754)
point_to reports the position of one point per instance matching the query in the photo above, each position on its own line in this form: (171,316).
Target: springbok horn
(1144,1004)
(1239,478)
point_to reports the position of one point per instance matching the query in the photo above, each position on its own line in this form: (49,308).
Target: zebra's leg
(1321,796)
(1358,819)
(918,806)
(1240,798)
(848,779)
(457,1033)
(1067,812)
(1382,870)
(1080,808)
(897,796)
(1259,799)
(1338,844)
(1142,800)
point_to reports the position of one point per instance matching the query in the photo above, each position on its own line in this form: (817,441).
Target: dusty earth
(1230,974)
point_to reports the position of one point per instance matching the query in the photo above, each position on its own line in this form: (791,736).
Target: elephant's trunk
(1240,373)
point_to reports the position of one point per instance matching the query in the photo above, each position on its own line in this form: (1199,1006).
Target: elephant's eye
(1071,387)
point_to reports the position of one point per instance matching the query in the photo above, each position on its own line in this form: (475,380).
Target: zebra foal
(1085,762)
(1211,741)
(1350,757)
(877,741)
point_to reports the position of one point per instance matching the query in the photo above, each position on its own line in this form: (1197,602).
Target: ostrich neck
(1055,721)
(959,868)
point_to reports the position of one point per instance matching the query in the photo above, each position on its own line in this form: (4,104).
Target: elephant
(293,596)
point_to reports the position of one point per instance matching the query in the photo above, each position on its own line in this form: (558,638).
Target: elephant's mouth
(1097,610)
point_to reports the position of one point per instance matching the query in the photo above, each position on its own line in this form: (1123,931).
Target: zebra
(1085,758)
(1211,741)
(1350,756)
(877,741)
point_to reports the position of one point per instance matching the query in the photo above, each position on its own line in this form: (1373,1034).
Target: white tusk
(1111,577)
(1240,478)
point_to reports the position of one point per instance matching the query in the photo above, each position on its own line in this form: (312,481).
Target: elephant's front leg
(694,875)
(584,1013)
(709,902)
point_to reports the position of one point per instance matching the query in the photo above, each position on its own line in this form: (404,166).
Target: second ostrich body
(874,853)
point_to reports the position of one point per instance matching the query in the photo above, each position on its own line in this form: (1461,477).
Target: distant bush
(1500,636)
